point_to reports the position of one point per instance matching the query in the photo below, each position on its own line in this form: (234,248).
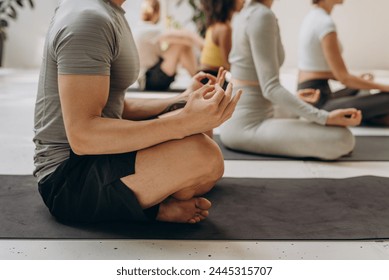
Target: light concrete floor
(17,96)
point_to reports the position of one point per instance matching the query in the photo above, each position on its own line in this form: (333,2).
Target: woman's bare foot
(190,211)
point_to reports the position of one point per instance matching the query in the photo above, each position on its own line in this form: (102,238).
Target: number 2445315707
(240,270)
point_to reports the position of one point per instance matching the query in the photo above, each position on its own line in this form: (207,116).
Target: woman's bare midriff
(240,83)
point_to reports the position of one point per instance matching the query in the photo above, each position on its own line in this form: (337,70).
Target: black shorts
(156,79)
(88,189)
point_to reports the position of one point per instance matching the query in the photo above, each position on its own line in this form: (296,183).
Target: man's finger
(220,72)
(232,105)
(219,95)
(227,96)
(211,78)
(202,91)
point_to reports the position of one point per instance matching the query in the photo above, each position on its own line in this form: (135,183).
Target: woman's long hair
(218,10)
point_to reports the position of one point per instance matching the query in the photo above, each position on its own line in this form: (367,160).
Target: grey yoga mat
(170,90)
(243,209)
(367,148)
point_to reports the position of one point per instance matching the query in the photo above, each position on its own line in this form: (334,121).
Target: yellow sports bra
(211,54)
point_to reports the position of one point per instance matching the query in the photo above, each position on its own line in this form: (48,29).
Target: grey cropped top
(257,54)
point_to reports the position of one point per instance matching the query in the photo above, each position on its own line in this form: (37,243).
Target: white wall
(132,8)
(23,48)
(362,26)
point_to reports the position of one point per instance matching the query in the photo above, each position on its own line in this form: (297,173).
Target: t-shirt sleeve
(325,27)
(263,37)
(85,46)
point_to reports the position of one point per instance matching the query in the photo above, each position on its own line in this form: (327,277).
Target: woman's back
(211,55)
(218,14)
(315,26)
(256,36)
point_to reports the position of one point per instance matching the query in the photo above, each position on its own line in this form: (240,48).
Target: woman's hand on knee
(309,95)
(367,77)
(344,117)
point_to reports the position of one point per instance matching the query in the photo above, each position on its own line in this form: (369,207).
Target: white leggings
(253,128)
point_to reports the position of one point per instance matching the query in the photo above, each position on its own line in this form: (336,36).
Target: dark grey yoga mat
(243,209)
(170,90)
(367,148)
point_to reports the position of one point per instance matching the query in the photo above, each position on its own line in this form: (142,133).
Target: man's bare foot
(184,211)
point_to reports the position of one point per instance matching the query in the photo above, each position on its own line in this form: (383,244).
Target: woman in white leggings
(256,56)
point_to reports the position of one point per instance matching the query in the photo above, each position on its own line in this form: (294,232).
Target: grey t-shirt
(85,37)
(257,54)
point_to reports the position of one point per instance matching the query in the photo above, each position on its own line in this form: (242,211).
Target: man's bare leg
(175,174)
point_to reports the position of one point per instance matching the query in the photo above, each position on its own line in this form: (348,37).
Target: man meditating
(102,157)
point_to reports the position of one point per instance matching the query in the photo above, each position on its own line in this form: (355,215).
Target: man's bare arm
(83,98)
(146,108)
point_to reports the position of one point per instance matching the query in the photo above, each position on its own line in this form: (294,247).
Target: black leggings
(372,105)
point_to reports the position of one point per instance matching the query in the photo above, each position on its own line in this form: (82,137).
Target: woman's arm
(334,59)
(223,39)
(262,31)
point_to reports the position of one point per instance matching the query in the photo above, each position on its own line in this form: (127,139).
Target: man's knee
(207,165)
(210,160)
